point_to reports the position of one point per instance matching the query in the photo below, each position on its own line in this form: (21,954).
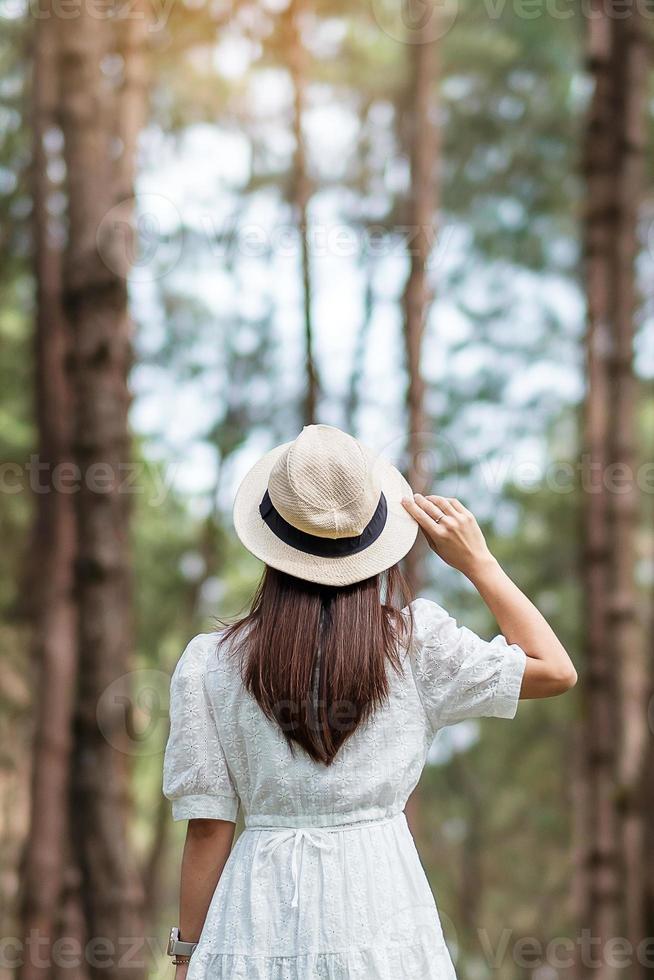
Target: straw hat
(325,508)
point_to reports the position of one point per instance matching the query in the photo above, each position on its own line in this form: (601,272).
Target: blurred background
(429,223)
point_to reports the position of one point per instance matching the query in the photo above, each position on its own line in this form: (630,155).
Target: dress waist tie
(299,835)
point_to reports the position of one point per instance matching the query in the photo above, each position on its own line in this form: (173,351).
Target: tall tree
(131,114)
(95,295)
(610,886)
(630,71)
(300,197)
(354,392)
(53,607)
(420,137)
(597,888)
(420,119)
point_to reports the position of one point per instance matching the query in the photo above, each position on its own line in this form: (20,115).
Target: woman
(315,714)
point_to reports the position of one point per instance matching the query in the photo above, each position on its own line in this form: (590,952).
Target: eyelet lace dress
(325,882)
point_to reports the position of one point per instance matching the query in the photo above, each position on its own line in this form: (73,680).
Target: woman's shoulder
(200,654)
(426,615)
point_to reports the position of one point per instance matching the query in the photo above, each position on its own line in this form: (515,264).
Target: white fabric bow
(318,838)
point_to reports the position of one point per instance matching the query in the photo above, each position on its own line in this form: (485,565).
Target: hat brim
(396,539)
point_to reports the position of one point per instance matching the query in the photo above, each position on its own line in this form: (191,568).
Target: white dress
(325,883)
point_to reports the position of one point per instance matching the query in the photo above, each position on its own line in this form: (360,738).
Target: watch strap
(177,946)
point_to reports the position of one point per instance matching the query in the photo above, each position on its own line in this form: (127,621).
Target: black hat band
(313,544)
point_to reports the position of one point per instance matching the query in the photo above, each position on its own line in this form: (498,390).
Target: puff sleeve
(196,776)
(458,675)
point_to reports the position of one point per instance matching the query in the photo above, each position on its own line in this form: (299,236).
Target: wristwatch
(177,947)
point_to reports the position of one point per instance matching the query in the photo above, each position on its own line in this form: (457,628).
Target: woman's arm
(453,533)
(206,849)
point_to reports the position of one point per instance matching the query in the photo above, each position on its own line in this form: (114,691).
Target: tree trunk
(648,803)
(71,922)
(609,887)
(471,891)
(301,195)
(598,884)
(95,296)
(422,137)
(353,400)
(131,114)
(422,142)
(53,607)
(630,70)
(156,859)
(133,96)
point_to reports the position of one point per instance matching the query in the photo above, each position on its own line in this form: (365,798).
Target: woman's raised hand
(451,531)
(454,534)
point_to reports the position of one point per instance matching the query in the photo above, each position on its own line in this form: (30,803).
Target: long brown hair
(316,657)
